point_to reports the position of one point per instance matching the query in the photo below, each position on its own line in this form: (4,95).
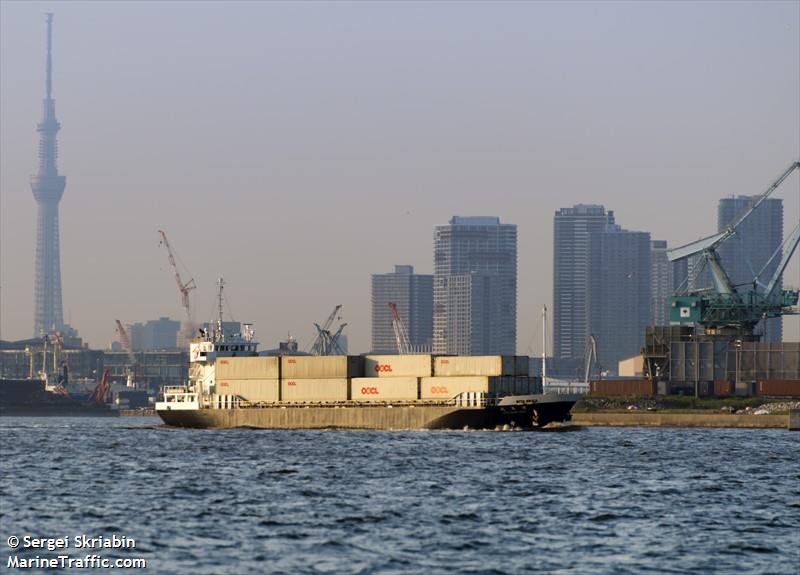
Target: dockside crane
(327,343)
(730,310)
(183,287)
(400,334)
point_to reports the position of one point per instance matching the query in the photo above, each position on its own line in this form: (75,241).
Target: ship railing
(566,388)
(469,399)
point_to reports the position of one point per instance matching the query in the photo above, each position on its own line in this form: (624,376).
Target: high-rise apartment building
(620,281)
(602,286)
(161,333)
(475,287)
(572,228)
(661,283)
(750,250)
(413,295)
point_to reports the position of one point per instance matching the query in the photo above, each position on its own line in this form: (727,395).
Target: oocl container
(253,390)
(321,366)
(384,388)
(449,387)
(258,367)
(488,365)
(314,390)
(398,366)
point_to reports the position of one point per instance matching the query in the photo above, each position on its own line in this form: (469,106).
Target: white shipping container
(384,388)
(255,367)
(449,387)
(321,366)
(314,390)
(470,365)
(253,390)
(398,366)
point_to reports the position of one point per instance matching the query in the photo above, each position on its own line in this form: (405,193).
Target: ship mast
(220,334)
(544,346)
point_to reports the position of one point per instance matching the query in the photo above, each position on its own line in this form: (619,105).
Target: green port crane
(729,309)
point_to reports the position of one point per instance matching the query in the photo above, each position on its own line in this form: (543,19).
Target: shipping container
(314,390)
(522,365)
(779,387)
(723,388)
(253,390)
(398,366)
(384,388)
(257,367)
(449,387)
(474,365)
(321,366)
(622,387)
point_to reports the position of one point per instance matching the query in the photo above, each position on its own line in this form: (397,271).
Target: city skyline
(175,127)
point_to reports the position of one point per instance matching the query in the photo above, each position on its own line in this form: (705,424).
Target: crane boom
(714,241)
(126,342)
(183,287)
(400,334)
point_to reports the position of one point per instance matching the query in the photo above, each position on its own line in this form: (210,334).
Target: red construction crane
(183,287)
(98,396)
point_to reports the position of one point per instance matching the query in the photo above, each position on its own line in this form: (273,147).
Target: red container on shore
(724,388)
(622,387)
(779,387)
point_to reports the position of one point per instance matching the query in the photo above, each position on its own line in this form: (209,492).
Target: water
(598,500)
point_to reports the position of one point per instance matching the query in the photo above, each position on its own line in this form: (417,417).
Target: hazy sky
(297,148)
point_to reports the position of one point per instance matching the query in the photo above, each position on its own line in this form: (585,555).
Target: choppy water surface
(245,501)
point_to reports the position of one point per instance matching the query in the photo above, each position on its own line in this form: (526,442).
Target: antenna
(49,55)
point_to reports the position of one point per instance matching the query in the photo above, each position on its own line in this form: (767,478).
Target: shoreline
(696,419)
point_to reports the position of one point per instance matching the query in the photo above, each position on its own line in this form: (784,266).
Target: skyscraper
(661,283)
(48,187)
(750,250)
(620,279)
(475,287)
(413,295)
(572,228)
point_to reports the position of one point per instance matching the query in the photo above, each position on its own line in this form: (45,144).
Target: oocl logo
(437,389)
(369,391)
(383,368)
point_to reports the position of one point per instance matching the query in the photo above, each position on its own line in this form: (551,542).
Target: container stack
(318,378)
(391,377)
(494,375)
(255,379)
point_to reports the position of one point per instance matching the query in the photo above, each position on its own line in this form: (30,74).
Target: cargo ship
(34,397)
(231,385)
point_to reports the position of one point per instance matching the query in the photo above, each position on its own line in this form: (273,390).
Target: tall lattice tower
(48,187)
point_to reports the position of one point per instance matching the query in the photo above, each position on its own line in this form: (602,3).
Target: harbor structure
(412,293)
(755,251)
(48,188)
(758,239)
(475,287)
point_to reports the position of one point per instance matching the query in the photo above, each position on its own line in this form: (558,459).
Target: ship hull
(523,412)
